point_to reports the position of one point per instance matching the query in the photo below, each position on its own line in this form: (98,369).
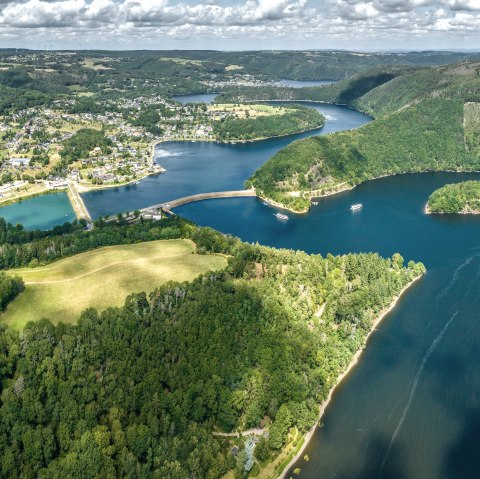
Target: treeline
(344,92)
(13,100)
(20,248)
(79,145)
(10,287)
(294,120)
(461,197)
(425,137)
(136,391)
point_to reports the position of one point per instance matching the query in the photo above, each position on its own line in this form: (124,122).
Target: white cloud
(252,22)
(473,5)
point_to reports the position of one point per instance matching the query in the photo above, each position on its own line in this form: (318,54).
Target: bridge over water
(169,205)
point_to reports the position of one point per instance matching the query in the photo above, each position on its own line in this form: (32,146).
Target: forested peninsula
(287,121)
(138,390)
(463,197)
(424,120)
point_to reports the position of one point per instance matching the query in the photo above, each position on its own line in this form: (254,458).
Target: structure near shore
(78,205)
(169,205)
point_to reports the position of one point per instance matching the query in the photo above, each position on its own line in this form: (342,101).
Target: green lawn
(104,277)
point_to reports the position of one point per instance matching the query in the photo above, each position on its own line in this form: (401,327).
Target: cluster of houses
(11,186)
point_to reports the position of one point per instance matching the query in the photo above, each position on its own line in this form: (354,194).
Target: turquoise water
(40,212)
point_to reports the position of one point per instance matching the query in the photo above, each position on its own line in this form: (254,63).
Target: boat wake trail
(413,388)
(455,276)
(165,153)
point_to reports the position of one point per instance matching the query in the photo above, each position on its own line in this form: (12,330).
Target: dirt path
(255,431)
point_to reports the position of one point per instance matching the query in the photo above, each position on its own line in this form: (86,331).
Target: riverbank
(351,365)
(28,191)
(347,187)
(312,195)
(240,141)
(462,212)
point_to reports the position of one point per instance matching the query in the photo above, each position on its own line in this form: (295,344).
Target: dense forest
(80,145)
(427,136)
(294,120)
(343,92)
(426,119)
(136,391)
(461,197)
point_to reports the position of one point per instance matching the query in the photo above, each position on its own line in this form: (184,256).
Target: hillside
(264,121)
(463,197)
(136,391)
(426,120)
(129,268)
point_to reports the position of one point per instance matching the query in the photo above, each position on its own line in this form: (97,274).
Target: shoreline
(349,187)
(428,212)
(353,362)
(238,141)
(19,199)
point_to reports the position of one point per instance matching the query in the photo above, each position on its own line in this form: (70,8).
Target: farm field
(102,278)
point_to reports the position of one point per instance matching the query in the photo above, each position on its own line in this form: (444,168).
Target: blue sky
(241,25)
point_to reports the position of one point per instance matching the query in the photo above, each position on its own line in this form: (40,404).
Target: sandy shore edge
(340,378)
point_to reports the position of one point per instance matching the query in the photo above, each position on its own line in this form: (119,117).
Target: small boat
(314,203)
(266,203)
(356,207)
(281,216)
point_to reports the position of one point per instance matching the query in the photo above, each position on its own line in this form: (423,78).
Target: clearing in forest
(60,291)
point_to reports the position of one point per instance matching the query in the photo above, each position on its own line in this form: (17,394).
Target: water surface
(304,83)
(411,407)
(199,98)
(40,212)
(199,167)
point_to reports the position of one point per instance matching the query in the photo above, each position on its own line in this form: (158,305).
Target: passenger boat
(281,216)
(357,206)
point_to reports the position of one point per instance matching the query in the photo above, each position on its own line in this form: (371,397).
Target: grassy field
(101,278)
(254,111)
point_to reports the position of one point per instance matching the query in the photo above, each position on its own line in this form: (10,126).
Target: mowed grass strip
(104,277)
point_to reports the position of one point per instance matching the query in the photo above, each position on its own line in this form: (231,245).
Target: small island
(461,198)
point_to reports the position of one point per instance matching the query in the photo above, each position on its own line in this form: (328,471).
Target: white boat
(357,206)
(281,216)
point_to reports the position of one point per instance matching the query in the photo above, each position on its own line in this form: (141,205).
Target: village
(33,140)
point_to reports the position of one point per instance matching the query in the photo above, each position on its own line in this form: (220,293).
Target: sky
(241,25)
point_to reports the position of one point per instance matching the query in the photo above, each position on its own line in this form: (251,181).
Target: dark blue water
(200,98)
(40,212)
(411,408)
(199,167)
(304,83)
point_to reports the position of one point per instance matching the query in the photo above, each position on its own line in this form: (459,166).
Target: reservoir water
(200,167)
(40,212)
(411,408)
(304,83)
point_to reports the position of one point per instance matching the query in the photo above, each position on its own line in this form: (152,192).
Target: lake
(411,408)
(199,167)
(304,83)
(40,212)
